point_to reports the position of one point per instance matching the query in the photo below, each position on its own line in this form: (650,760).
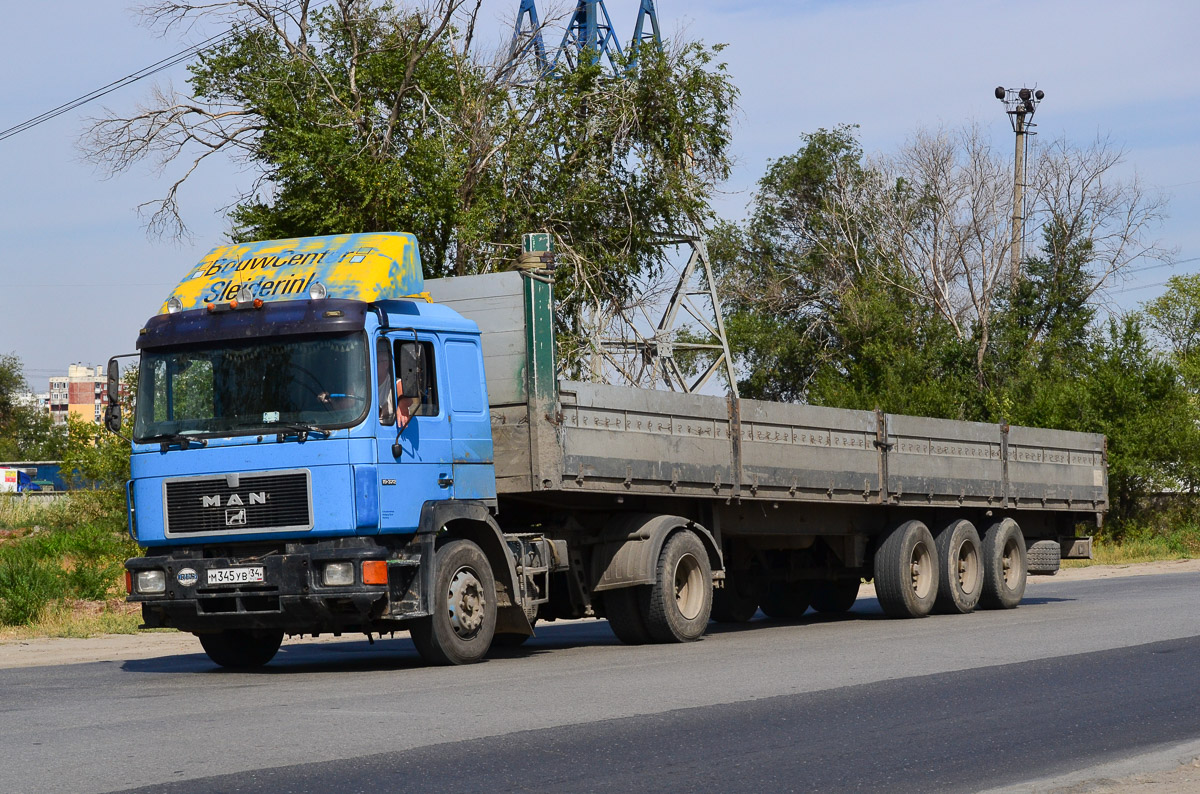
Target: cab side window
(387,382)
(417,377)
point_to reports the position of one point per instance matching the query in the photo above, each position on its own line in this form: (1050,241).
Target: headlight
(338,573)
(151,582)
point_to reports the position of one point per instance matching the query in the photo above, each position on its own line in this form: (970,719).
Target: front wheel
(242,649)
(463,622)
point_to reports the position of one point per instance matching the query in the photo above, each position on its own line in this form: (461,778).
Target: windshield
(253,386)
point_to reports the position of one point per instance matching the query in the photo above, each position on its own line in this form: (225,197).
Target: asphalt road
(1083,673)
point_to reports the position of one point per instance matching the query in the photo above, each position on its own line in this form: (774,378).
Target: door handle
(444,481)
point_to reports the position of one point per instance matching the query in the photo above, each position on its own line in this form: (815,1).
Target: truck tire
(623,608)
(731,605)
(508,640)
(1004,570)
(836,597)
(680,600)
(960,569)
(242,649)
(463,622)
(906,571)
(1043,558)
(787,601)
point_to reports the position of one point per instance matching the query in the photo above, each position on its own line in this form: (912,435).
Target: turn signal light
(374,572)
(128,582)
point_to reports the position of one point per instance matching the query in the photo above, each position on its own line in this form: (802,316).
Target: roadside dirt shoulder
(148,645)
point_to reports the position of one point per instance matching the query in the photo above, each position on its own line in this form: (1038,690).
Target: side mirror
(114,381)
(112,413)
(412,370)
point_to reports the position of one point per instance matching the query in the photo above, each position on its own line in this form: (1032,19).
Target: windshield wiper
(300,430)
(168,439)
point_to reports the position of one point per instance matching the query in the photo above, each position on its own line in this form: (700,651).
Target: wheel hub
(969,573)
(1009,562)
(467,603)
(921,571)
(688,583)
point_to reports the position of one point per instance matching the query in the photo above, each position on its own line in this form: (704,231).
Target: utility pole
(1020,104)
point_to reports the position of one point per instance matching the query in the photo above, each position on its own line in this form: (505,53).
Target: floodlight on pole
(1020,104)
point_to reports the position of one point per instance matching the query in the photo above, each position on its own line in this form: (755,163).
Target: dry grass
(1133,550)
(75,618)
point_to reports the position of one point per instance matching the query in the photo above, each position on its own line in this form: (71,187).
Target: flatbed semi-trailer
(406,456)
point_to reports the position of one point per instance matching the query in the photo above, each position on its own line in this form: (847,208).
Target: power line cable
(1140,286)
(129,79)
(1163,264)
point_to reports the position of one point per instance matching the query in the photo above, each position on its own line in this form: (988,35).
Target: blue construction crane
(640,34)
(525,39)
(589,30)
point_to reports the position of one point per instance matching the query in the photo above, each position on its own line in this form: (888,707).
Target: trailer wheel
(679,602)
(906,571)
(242,649)
(1003,565)
(623,609)
(960,569)
(730,605)
(835,597)
(787,601)
(463,622)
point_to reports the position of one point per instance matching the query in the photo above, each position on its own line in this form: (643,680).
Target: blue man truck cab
(323,442)
(295,455)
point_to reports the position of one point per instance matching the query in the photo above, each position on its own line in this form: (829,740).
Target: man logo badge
(186,577)
(235,518)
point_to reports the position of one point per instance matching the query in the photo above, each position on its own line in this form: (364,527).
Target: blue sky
(80,275)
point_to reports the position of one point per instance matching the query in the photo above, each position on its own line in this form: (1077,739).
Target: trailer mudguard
(628,553)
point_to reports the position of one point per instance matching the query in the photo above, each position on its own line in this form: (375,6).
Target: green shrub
(28,583)
(91,580)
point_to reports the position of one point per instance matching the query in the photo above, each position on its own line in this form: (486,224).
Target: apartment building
(81,394)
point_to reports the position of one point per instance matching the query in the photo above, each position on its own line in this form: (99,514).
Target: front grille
(271,501)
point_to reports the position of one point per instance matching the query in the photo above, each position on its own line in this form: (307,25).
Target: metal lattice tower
(646,352)
(528,38)
(590,29)
(640,34)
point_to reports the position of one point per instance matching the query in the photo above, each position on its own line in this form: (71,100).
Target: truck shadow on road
(397,653)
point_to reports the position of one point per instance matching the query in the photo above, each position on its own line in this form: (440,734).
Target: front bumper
(292,595)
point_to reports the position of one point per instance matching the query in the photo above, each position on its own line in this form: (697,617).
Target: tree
(1175,318)
(928,227)
(26,432)
(1135,397)
(361,116)
(784,272)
